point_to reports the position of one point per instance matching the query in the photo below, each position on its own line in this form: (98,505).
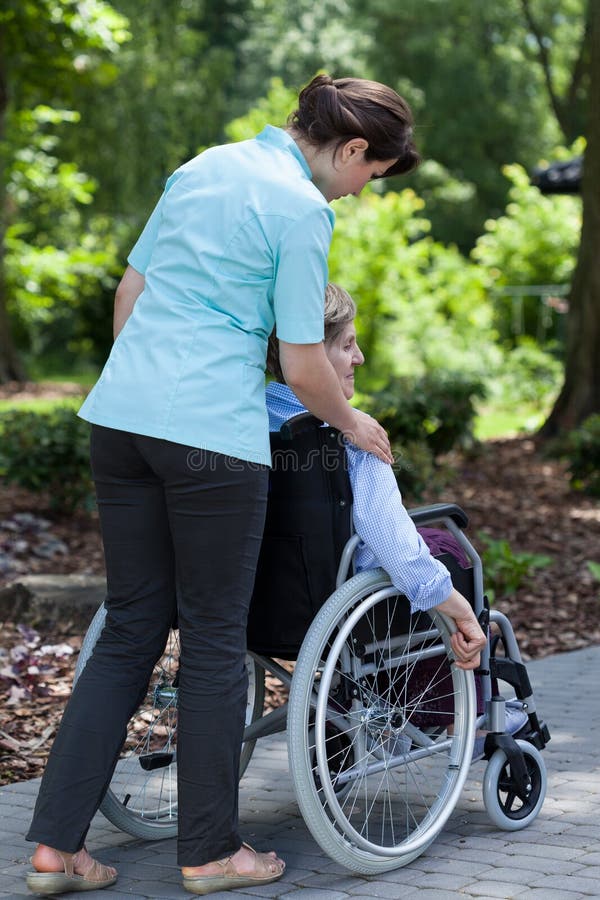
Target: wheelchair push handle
(298,425)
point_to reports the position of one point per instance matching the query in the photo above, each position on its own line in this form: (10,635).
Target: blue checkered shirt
(388,535)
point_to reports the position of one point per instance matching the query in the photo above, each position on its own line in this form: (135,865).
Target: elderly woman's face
(344,354)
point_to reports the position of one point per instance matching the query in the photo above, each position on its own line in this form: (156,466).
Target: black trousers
(181,531)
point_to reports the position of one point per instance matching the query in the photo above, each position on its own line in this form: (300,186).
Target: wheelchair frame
(374,788)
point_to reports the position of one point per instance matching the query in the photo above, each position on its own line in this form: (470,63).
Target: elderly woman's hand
(467,642)
(469,639)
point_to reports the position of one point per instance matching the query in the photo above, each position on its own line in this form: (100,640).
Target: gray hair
(340,310)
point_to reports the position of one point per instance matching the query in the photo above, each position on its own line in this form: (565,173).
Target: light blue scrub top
(237,242)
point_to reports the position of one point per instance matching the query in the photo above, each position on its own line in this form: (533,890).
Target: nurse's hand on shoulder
(368,434)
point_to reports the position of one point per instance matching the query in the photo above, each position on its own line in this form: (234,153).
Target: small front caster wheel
(505,807)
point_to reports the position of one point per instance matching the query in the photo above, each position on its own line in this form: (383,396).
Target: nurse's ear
(351,151)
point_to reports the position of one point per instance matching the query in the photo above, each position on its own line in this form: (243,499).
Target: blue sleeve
(386,529)
(301,278)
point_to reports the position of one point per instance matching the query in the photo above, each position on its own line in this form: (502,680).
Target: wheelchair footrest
(539,737)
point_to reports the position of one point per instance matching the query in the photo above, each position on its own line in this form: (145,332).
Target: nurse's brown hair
(333,111)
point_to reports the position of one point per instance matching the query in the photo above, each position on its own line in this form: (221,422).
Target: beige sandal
(96,877)
(266,870)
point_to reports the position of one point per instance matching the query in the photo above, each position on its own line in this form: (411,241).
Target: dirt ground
(508,489)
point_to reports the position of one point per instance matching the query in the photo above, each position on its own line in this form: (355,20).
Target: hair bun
(357,108)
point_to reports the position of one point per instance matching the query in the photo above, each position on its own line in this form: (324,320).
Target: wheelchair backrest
(309,520)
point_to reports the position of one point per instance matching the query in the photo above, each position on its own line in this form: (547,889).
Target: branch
(544,57)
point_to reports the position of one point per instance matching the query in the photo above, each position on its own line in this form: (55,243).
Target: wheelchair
(380,723)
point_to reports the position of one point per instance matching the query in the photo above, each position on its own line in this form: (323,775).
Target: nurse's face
(344,354)
(348,171)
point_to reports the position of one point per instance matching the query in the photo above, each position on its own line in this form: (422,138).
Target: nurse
(236,245)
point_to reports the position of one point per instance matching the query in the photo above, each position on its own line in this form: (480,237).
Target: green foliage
(594,568)
(533,243)
(484,102)
(48,453)
(520,391)
(61,264)
(582,448)
(273,109)
(504,569)
(178,83)
(51,44)
(422,306)
(293,39)
(424,417)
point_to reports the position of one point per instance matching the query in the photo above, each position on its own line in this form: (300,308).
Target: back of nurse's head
(340,310)
(331,111)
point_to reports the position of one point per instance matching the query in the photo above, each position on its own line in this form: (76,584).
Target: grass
(39,404)
(493,423)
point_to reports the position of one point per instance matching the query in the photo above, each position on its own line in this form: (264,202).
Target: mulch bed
(509,490)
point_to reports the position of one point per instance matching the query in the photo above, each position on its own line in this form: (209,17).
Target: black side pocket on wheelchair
(308,522)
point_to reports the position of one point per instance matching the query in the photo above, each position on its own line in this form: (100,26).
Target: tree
(178,84)
(580,394)
(564,78)
(45,46)
(471,70)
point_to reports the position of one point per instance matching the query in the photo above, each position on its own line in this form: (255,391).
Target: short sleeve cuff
(301,331)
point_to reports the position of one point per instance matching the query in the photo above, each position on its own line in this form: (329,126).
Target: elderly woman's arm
(129,289)
(387,530)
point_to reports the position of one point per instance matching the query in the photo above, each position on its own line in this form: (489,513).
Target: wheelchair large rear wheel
(142,797)
(380,726)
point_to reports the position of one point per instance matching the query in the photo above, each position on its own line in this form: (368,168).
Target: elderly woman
(389,536)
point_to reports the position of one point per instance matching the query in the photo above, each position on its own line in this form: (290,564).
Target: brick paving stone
(589,872)
(589,859)
(428,894)
(586,886)
(549,894)
(345,883)
(536,863)
(316,894)
(454,866)
(546,851)
(498,889)
(443,881)
(383,889)
(515,875)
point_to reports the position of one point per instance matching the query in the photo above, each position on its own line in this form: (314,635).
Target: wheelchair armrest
(426,515)
(298,425)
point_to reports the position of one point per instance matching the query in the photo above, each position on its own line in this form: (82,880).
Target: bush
(582,448)
(422,307)
(504,569)
(48,452)
(534,243)
(437,408)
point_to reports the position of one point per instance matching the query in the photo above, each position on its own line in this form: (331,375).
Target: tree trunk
(580,394)
(11,368)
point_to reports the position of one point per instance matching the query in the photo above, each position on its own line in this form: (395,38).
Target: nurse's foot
(241,869)
(57,872)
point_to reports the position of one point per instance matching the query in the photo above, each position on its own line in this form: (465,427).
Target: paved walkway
(556,858)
